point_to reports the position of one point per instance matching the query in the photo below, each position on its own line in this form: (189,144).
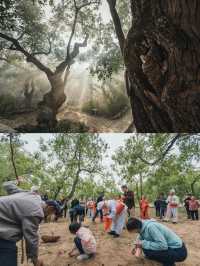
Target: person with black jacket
(129,200)
(100,212)
(186,204)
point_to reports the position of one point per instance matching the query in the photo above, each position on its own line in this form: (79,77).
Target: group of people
(167,208)
(21,213)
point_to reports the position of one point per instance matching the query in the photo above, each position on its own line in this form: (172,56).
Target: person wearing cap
(20,215)
(117,212)
(158,242)
(172,207)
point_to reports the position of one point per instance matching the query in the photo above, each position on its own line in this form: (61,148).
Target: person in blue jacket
(158,242)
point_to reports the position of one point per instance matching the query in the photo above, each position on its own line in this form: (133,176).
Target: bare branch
(168,148)
(30,58)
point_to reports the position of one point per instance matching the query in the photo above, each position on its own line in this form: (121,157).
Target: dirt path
(113,252)
(99,124)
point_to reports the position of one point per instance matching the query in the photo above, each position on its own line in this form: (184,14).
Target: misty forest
(99,66)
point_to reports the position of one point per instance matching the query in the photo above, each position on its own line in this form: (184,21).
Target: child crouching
(84,242)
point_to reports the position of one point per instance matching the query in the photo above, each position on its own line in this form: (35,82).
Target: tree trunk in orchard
(53,100)
(162,57)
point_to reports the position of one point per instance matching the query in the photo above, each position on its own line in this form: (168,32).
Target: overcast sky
(113,139)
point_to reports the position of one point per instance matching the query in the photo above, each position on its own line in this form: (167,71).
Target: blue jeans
(78,244)
(167,257)
(8,253)
(96,214)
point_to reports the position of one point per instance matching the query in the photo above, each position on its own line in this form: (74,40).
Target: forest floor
(95,123)
(112,252)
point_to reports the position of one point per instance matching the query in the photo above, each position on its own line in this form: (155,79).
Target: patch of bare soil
(92,123)
(112,252)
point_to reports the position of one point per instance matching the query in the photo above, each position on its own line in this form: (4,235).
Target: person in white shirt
(84,242)
(172,207)
(117,212)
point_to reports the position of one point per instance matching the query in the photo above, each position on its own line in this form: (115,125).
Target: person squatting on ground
(172,207)
(158,242)
(128,199)
(194,208)
(117,212)
(21,212)
(84,242)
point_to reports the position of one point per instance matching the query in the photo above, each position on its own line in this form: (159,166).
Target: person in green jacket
(157,241)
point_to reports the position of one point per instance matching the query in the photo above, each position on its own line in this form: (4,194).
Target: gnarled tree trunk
(162,57)
(53,100)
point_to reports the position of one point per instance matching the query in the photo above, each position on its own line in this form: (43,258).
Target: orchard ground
(112,252)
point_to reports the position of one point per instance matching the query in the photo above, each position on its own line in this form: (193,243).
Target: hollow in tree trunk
(162,58)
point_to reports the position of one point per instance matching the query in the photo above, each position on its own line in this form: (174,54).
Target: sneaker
(83,257)
(115,235)
(112,233)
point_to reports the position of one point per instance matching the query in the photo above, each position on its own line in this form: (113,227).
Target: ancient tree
(162,59)
(35,39)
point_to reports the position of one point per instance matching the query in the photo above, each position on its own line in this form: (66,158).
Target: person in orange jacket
(144,208)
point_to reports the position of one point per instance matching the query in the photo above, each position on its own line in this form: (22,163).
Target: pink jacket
(87,240)
(194,205)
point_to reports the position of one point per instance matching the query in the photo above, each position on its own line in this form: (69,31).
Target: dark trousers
(195,215)
(167,257)
(162,212)
(78,244)
(158,212)
(8,253)
(100,212)
(188,212)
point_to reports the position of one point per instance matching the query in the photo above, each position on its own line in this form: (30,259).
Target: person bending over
(21,212)
(84,242)
(157,242)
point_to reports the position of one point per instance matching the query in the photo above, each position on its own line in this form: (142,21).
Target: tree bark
(52,100)
(162,58)
(12,155)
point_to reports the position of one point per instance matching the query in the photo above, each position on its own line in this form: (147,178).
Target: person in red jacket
(193,207)
(144,208)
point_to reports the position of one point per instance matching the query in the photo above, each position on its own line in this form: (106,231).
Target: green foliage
(113,100)
(142,163)
(7,103)
(107,63)
(75,157)
(71,127)
(71,165)
(107,56)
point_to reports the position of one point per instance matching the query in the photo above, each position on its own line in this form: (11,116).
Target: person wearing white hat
(117,212)
(35,189)
(172,207)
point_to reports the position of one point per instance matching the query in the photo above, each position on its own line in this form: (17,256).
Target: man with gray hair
(20,215)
